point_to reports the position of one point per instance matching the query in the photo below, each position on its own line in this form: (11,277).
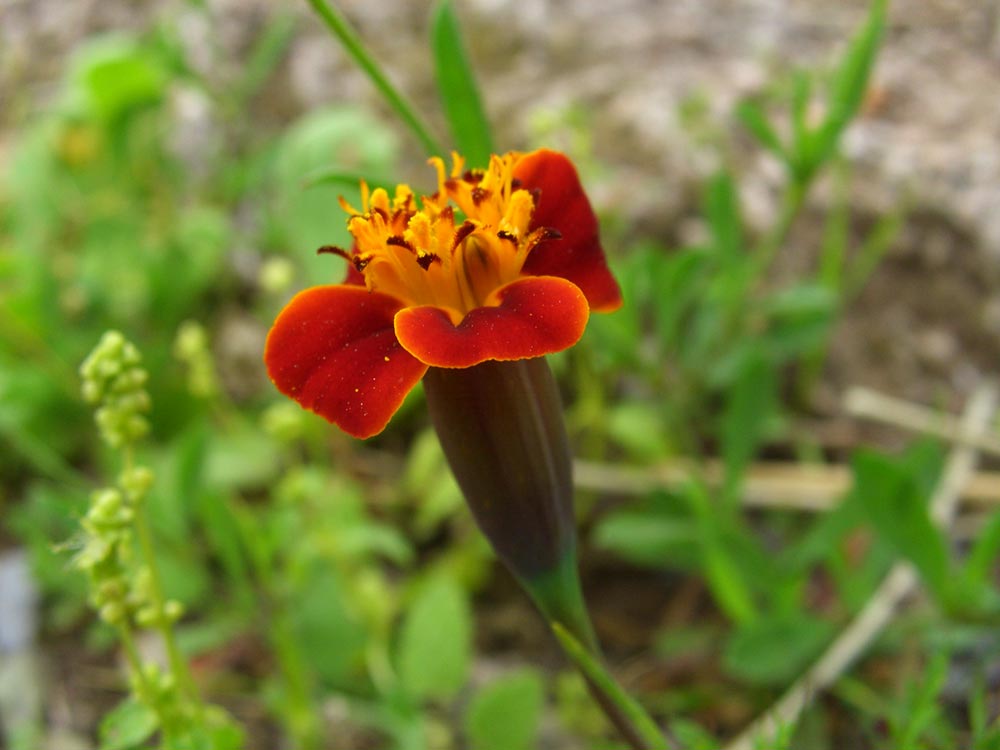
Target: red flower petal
(536,315)
(563,205)
(334,351)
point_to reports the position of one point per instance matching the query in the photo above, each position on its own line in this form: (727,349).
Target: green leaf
(749,406)
(350,140)
(457,86)
(896,505)
(639,429)
(128,725)
(116,76)
(773,651)
(505,714)
(658,533)
(850,83)
(324,626)
(436,641)
(753,118)
(723,212)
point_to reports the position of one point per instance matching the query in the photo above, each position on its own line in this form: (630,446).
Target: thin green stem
(347,36)
(178,664)
(628,717)
(298,714)
(791,205)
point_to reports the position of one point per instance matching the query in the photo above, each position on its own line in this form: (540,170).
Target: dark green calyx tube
(501,427)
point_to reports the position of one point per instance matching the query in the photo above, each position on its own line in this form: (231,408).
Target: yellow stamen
(421,257)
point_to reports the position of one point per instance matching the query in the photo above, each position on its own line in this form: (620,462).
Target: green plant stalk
(300,718)
(791,204)
(558,595)
(135,665)
(338,25)
(628,716)
(178,664)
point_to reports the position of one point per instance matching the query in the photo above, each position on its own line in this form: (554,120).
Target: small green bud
(173,610)
(148,616)
(137,482)
(276,275)
(113,613)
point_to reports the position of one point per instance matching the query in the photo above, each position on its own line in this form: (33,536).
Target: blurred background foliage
(337,593)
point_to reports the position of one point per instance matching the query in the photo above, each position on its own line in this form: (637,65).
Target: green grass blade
(347,36)
(753,118)
(850,83)
(457,86)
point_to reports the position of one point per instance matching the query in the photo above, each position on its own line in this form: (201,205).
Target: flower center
(422,257)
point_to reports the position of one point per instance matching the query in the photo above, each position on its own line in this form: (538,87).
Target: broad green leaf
(897,507)
(127,726)
(115,76)
(341,138)
(773,651)
(505,714)
(325,627)
(659,532)
(457,87)
(435,642)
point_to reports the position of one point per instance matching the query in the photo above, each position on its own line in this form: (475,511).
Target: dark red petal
(563,205)
(536,315)
(334,351)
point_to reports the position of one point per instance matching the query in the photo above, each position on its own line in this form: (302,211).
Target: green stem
(337,24)
(178,665)
(791,205)
(634,724)
(559,597)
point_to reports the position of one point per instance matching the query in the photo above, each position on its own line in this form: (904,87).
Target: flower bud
(500,425)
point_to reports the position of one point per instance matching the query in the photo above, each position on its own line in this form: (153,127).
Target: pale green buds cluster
(114,380)
(120,589)
(192,348)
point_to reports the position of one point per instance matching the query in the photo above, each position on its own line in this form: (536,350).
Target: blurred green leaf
(241,458)
(774,650)
(127,726)
(435,641)
(658,532)
(749,405)
(639,430)
(724,563)
(723,212)
(850,82)
(324,626)
(898,509)
(753,118)
(336,139)
(506,713)
(457,87)
(117,76)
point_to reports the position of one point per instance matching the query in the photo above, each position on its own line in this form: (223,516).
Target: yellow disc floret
(422,258)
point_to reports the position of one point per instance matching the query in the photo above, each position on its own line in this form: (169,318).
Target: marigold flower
(499,264)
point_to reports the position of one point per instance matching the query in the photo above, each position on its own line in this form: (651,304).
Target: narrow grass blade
(457,86)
